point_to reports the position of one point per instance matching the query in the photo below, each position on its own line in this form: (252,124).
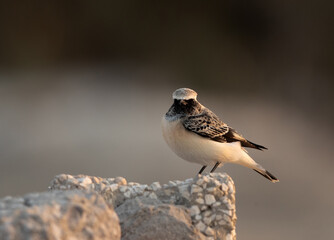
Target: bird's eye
(184,102)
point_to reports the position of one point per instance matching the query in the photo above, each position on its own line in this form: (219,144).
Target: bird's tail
(266,174)
(256,146)
(247,161)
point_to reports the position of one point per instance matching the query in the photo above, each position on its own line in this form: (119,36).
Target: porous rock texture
(58,215)
(197,208)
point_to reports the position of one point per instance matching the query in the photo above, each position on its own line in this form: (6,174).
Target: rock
(196,189)
(194,210)
(142,219)
(58,215)
(155,186)
(200,226)
(209,231)
(200,200)
(208,200)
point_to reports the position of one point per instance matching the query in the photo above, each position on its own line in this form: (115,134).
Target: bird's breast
(189,145)
(174,134)
(195,148)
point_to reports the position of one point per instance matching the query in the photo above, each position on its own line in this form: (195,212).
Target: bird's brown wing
(232,136)
(208,125)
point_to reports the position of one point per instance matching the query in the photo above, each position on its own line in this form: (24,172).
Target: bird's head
(184,94)
(185,102)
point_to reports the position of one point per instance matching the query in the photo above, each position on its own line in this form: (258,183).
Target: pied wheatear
(197,135)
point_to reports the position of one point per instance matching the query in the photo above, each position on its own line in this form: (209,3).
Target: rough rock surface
(143,218)
(204,206)
(58,215)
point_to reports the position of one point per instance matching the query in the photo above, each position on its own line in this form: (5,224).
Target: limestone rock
(143,218)
(58,215)
(208,200)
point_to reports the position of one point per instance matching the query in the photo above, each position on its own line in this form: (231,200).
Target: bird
(196,134)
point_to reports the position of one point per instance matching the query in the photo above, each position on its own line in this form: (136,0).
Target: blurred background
(84,84)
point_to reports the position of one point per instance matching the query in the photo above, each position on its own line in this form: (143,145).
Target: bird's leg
(202,169)
(214,168)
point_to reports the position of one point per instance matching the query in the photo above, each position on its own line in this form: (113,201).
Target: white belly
(194,148)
